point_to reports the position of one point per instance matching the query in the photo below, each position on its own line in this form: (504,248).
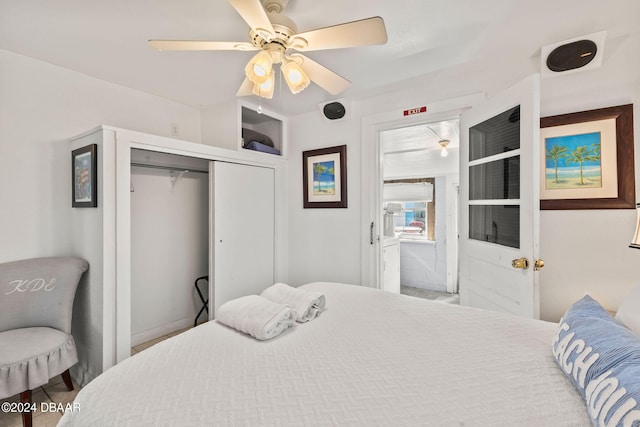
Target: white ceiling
(414,151)
(107,39)
(410,139)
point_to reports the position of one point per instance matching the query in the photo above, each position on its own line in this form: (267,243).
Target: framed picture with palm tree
(324,176)
(84,177)
(587,160)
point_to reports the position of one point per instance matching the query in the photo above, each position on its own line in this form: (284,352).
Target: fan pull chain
(259,109)
(280,82)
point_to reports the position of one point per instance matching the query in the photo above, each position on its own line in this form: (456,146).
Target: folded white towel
(256,316)
(307,304)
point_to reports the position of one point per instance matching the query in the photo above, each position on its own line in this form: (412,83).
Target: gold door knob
(538,264)
(522,263)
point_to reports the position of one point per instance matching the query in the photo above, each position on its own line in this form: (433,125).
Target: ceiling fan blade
(365,32)
(254,15)
(246,88)
(322,76)
(199,45)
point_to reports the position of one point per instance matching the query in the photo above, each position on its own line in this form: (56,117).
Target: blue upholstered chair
(36,303)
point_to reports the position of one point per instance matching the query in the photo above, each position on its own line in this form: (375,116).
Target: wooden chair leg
(25,397)
(66,377)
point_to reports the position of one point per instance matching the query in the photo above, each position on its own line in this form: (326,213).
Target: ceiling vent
(574,55)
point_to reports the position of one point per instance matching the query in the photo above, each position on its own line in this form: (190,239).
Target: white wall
(583,250)
(169,250)
(424,264)
(324,244)
(421,267)
(41,106)
(220,126)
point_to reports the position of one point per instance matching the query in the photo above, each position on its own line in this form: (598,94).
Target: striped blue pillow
(602,359)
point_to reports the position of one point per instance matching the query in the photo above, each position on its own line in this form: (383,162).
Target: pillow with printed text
(602,359)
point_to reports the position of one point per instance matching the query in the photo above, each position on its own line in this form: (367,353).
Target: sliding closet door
(242,231)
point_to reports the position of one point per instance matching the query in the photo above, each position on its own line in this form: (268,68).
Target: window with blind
(413,207)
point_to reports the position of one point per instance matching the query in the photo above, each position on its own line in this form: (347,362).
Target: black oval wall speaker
(572,55)
(334,110)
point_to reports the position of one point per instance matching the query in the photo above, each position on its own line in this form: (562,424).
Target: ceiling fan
(276,38)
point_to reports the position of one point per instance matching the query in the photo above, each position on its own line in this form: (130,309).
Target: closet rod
(171,168)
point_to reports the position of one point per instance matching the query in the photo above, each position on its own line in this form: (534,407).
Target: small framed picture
(324,176)
(84,177)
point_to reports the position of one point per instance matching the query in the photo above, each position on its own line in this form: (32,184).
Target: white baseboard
(148,335)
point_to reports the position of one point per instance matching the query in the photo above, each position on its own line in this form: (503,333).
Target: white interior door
(499,211)
(242,231)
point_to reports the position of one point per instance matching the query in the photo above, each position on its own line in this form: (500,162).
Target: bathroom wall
(423,263)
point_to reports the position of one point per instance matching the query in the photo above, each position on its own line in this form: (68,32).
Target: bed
(371,358)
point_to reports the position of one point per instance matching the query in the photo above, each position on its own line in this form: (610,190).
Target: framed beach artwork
(587,160)
(324,176)
(84,177)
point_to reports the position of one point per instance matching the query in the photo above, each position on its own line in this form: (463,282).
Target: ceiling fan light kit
(265,89)
(259,68)
(296,79)
(274,35)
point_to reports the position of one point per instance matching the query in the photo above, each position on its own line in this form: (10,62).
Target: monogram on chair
(30,285)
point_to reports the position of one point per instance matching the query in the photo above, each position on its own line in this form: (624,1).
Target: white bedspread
(372,358)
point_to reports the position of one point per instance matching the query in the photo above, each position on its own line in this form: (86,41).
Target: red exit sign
(412,111)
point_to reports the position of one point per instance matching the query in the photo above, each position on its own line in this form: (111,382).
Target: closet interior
(169,241)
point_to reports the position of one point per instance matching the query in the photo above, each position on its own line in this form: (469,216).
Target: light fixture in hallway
(443,144)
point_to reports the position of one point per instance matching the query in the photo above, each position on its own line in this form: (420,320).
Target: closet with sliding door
(171,197)
(169,212)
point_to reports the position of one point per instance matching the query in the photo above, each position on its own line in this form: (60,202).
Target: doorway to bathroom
(420,175)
